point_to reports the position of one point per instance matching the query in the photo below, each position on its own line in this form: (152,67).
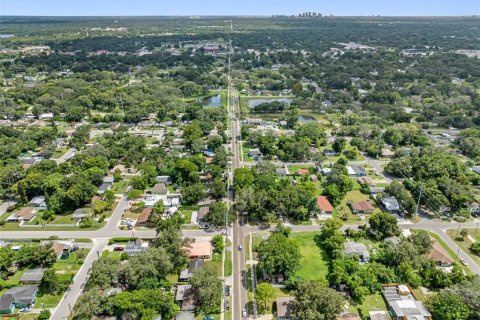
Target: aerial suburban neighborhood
(303,167)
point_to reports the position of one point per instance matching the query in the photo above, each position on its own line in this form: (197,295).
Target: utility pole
(418,202)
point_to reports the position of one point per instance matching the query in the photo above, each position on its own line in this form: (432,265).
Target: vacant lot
(314,262)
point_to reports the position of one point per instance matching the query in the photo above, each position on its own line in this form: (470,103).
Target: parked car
(227,290)
(240,247)
(464,262)
(244,313)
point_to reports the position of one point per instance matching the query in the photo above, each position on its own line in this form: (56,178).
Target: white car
(464,262)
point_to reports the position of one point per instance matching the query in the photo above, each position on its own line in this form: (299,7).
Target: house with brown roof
(366,181)
(142,220)
(284,306)
(362,207)
(440,256)
(324,205)
(200,250)
(302,171)
(24,214)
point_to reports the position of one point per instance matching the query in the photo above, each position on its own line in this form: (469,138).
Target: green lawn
(120,187)
(59,152)
(228,263)
(466,243)
(374,302)
(186,215)
(48,300)
(62,219)
(314,263)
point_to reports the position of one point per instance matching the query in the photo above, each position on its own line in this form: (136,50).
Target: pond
(256,102)
(6,35)
(305,119)
(211,102)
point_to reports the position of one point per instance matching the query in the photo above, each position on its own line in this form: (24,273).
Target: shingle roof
(33,275)
(324,204)
(284,305)
(18,295)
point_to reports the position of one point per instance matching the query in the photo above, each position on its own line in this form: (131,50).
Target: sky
(238,7)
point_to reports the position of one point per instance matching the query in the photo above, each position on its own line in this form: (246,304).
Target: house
(80,214)
(376,190)
(254,153)
(394,240)
(200,250)
(185,315)
(134,248)
(362,207)
(474,208)
(324,205)
(24,214)
(387,153)
(18,298)
(367,181)
(193,266)
(104,187)
(379,315)
(326,171)
(440,256)
(202,213)
(402,304)
(282,172)
(348,316)
(284,306)
(32,276)
(329,153)
(302,171)
(108,179)
(164,179)
(185,297)
(62,249)
(352,249)
(142,220)
(355,171)
(390,204)
(159,188)
(38,202)
(476,169)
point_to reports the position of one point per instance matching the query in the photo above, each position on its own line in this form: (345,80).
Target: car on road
(227,305)
(244,313)
(464,262)
(227,290)
(208,318)
(240,247)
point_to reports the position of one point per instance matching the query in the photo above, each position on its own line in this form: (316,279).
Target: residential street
(67,155)
(70,297)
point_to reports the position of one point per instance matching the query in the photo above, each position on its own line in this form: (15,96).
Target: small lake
(211,102)
(305,119)
(6,35)
(256,102)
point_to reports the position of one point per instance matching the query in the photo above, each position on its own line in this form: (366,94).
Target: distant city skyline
(245,7)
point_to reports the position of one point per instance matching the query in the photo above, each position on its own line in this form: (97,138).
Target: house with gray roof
(17,298)
(32,276)
(403,305)
(356,249)
(390,204)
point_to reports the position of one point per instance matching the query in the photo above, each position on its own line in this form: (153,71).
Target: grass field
(466,243)
(374,302)
(59,152)
(228,263)
(120,187)
(314,263)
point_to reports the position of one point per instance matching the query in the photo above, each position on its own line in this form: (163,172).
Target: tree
(384,225)
(278,255)
(192,193)
(475,247)
(339,144)
(291,116)
(169,237)
(144,304)
(217,243)
(264,292)
(314,301)
(312,131)
(103,274)
(157,212)
(464,233)
(218,188)
(207,288)
(44,315)
(243,178)
(216,214)
(447,306)
(422,241)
